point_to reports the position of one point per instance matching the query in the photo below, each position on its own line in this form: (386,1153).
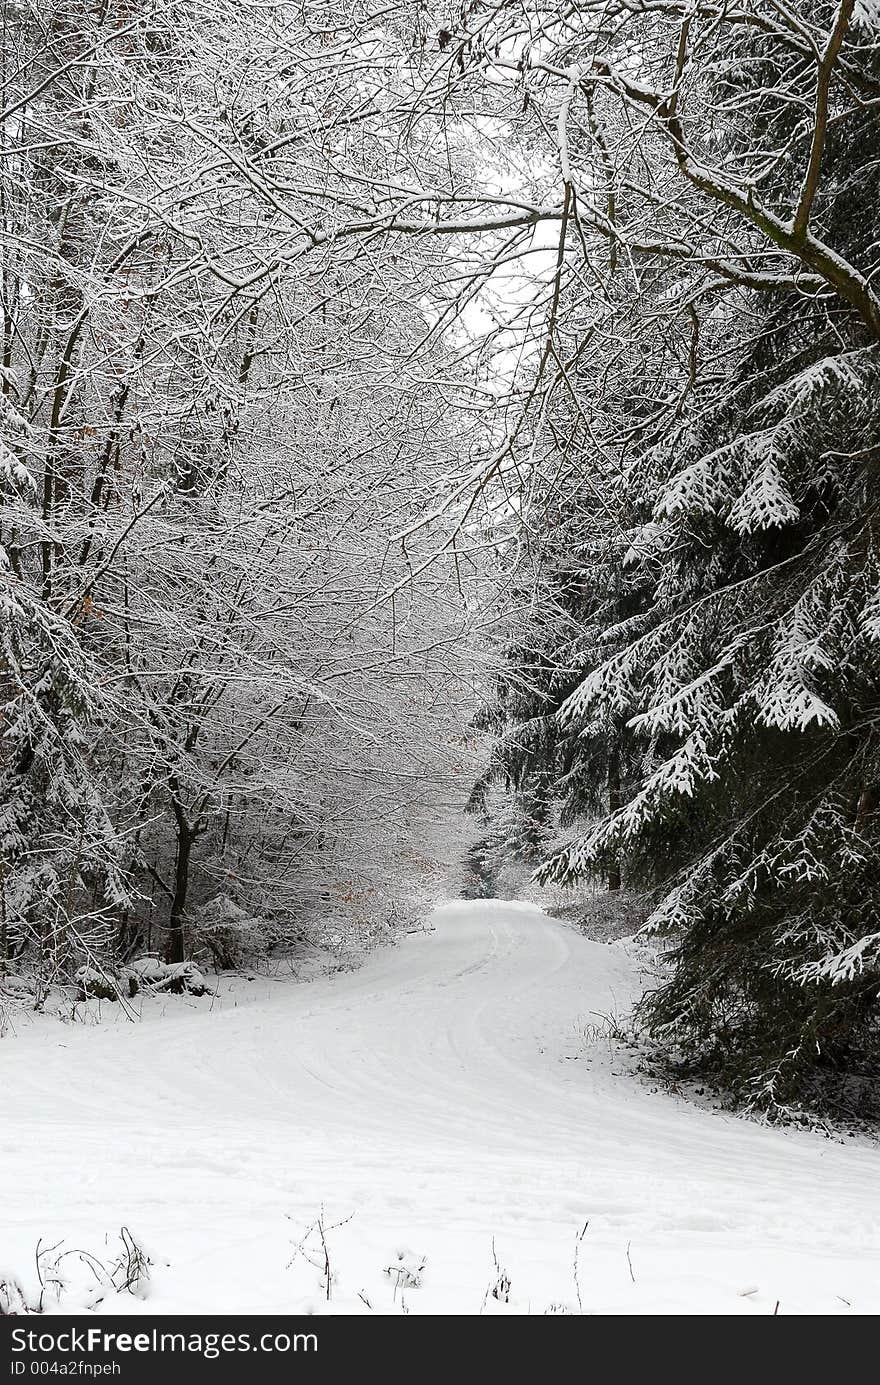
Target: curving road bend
(448,1112)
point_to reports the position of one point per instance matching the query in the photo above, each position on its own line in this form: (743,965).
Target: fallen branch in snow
(155,976)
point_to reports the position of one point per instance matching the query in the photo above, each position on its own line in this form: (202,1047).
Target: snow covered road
(448,1094)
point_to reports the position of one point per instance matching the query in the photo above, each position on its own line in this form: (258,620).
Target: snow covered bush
(95,984)
(230,935)
(12,1299)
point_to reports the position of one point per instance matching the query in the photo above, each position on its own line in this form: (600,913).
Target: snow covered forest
(440,459)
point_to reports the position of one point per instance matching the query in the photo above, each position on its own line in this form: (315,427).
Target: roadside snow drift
(443,1131)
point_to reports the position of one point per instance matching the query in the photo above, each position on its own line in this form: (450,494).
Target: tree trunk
(866,807)
(613,804)
(176,940)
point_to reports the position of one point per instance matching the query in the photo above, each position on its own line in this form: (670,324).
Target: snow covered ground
(449,1097)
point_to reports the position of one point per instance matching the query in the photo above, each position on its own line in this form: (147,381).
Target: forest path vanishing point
(450,1113)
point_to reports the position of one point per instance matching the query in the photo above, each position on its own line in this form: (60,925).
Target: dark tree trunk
(866,807)
(175,944)
(614,801)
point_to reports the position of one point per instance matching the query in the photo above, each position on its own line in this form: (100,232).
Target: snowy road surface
(448,1094)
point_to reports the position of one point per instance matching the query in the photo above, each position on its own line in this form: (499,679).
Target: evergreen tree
(756,688)
(738,662)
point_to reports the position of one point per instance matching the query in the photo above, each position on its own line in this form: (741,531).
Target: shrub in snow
(74,1278)
(12,1300)
(230,934)
(95,984)
(130,1272)
(18,986)
(606,915)
(406,1270)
